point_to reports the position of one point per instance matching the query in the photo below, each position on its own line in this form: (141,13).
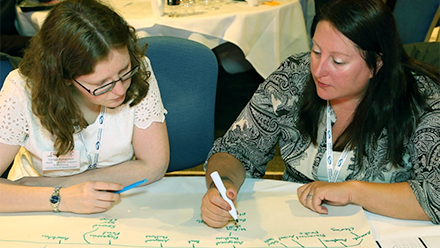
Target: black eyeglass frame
(133,71)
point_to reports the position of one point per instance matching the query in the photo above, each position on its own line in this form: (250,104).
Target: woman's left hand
(314,194)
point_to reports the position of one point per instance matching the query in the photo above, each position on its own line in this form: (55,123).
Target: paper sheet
(266,219)
(411,242)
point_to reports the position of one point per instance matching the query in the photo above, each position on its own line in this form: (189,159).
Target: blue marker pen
(131,186)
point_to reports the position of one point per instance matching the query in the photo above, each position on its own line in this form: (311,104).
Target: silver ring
(309,196)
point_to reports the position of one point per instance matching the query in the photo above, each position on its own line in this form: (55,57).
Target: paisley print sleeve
(256,131)
(425,155)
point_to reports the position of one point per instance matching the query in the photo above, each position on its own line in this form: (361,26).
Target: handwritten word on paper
(174,220)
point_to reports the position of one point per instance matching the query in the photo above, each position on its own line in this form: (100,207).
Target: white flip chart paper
(150,219)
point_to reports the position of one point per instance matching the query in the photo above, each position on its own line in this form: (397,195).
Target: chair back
(416,19)
(186,72)
(427,52)
(7,64)
(5,68)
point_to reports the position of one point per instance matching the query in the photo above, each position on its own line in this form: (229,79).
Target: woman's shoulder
(14,84)
(299,62)
(429,89)
(285,86)
(293,71)
(302,58)
(150,108)
(14,97)
(297,66)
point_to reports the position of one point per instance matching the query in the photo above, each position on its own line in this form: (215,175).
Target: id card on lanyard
(69,161)
(94,157)
(333,171)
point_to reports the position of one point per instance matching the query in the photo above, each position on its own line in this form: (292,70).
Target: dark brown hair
(392,100)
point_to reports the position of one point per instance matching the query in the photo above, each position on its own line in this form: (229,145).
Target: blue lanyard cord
(93,162)
(332,171)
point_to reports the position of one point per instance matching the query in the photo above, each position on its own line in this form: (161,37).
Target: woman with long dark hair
(356,119)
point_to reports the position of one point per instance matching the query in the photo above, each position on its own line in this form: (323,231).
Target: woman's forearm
(395,200)
(124,173)
(229,168)
(18,198)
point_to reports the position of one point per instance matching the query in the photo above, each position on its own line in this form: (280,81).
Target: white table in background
(265,34)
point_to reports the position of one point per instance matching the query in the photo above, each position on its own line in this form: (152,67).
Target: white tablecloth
(266,34)
(167,213)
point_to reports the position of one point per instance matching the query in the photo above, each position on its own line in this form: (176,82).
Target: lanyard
(332,171)
(94,162)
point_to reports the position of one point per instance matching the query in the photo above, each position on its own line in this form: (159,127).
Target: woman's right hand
(215,210)
(89,197)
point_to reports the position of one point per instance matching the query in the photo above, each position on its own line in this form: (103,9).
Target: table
(167,214)
(265,34)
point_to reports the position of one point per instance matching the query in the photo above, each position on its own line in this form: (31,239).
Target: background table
(265,34)
(167,214)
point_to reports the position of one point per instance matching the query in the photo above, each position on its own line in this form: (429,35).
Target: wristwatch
(55,199)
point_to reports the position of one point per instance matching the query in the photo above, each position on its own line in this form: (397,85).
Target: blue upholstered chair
(186,72)
(7,63)
(5,68)
(416,19)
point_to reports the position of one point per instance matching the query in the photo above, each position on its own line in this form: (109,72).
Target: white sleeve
(13,124)
(151,108)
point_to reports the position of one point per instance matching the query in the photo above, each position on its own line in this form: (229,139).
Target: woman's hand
(89,197)
(312,195)
(215,210)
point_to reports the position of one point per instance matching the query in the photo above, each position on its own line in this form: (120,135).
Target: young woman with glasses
(82,116)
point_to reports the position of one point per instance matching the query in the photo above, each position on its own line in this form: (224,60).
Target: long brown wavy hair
(76,35)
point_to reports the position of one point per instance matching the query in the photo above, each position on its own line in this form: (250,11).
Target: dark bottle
(173,8)
(173,2)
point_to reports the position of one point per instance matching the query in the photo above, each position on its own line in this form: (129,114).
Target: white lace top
(19,126)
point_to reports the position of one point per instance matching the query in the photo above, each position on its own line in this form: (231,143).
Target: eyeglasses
(108,87)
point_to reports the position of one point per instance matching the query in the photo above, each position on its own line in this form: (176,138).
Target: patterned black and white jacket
(271,118)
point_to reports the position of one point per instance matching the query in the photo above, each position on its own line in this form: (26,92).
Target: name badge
(68,161)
